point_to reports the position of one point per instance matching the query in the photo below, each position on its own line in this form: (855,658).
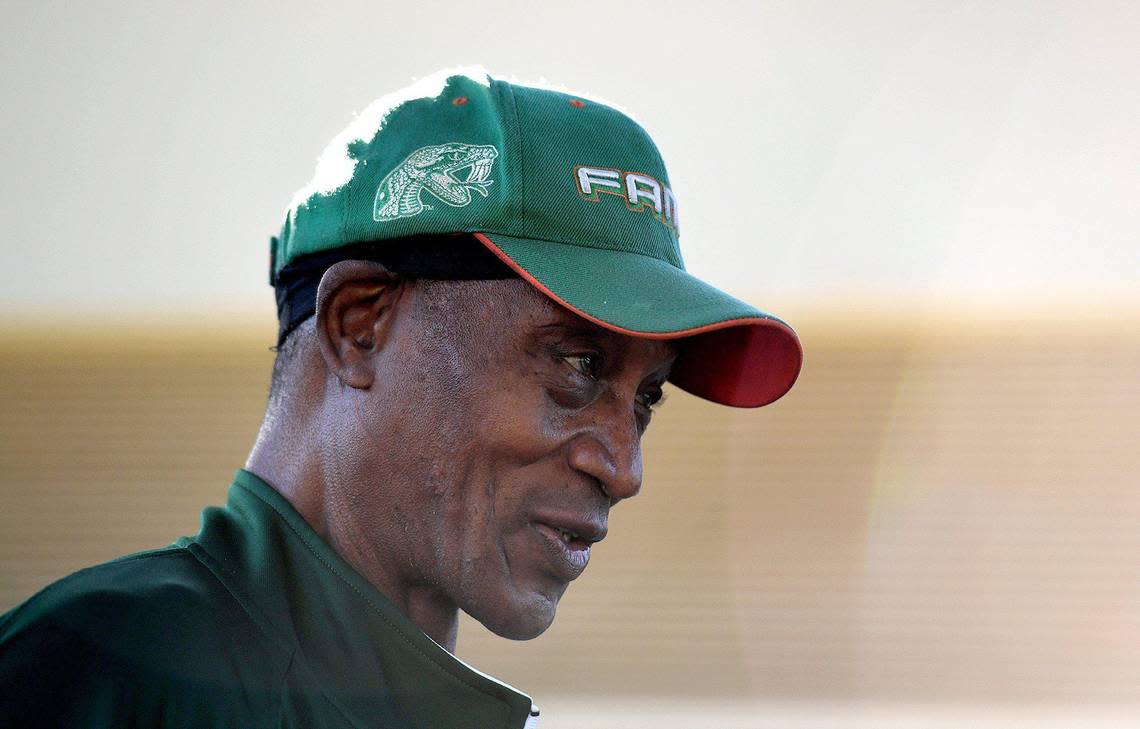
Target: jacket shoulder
(144,633)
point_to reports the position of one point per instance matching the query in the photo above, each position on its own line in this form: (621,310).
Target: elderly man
(480,298)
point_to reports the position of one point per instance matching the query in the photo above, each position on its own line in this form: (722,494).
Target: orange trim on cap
(753,320)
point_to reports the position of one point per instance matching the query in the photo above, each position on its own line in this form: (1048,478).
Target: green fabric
(255,622)
(532,190)
(540,138)
(597,282)
(573,192)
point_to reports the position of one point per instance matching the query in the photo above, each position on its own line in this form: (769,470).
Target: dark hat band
(440,257)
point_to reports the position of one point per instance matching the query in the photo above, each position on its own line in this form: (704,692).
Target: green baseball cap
(570,193)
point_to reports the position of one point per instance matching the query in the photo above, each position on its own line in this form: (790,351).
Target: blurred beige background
(937,527)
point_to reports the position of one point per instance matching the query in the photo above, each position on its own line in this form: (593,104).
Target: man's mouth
(567,550)
(572,528)
(569,536)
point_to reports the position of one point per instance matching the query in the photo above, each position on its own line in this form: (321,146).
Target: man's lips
(566,543)
(575,528)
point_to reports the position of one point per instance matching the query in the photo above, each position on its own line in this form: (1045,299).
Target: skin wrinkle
(421,427)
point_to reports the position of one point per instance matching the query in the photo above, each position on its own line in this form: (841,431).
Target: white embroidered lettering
(671,209)
(589,177)
(639,186)
(640,191)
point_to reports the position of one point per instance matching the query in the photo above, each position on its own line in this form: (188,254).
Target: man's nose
(609,450)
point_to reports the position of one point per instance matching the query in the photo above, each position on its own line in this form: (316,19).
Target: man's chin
(521,619)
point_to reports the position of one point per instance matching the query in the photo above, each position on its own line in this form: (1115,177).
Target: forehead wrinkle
(460,315)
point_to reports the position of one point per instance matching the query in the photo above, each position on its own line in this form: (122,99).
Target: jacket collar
(360,651)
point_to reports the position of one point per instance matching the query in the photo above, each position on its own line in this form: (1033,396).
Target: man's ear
(354,301)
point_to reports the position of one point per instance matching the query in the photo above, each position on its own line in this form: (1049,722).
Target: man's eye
(651,399)
(589,365)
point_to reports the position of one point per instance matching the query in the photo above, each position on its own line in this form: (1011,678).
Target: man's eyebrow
(604,337)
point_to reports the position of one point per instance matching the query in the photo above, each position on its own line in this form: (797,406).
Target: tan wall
(928,516)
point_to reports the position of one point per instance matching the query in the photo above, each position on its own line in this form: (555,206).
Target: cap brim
(734,354)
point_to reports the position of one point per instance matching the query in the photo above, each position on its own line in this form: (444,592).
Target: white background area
(827,156)
(913,151)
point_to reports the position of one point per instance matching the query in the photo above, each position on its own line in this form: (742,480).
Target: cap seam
(522,158)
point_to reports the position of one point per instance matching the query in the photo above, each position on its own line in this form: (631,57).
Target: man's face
(500,430)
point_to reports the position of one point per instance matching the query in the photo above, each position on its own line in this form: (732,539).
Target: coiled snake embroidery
(435,170)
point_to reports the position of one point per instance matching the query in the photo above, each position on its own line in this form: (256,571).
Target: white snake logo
(435,170)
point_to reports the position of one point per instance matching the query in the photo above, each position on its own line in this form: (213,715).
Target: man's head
(474,435)
(474,336)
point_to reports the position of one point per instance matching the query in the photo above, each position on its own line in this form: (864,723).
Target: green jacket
(255,622)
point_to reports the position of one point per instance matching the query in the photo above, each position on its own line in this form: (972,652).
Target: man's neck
(286,462)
